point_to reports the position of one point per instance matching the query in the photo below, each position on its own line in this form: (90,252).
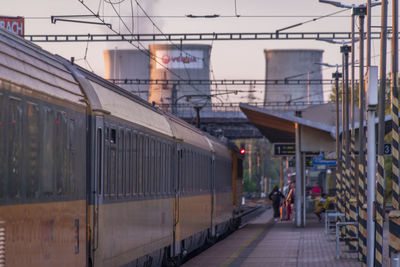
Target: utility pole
(372,98)
(380,192)
(362,223)
(197,116)
(339,204)
(394,216)
(368,33)
(352,159)
(345,50)
(370,239)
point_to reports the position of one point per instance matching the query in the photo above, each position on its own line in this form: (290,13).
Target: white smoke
(130,16)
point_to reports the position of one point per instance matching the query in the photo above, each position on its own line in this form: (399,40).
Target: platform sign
(309,162)
(13,24)
(387,149)
(320,160)
(289,149)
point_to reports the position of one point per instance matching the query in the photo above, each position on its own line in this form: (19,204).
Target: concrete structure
(128,64)
(175,62)
(293,64)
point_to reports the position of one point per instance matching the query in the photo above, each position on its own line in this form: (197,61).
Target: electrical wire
(220,16)
(114,3)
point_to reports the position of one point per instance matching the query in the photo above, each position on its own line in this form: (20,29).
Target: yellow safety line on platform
(245,245)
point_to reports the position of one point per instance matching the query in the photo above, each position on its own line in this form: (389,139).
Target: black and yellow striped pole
(352,199)
(345,50)
(380,185)
(339,204)
(394,224)
(362,222)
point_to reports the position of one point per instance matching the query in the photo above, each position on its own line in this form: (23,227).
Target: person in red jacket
(290,199)
(316,191)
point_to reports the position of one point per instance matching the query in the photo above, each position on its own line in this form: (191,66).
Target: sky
(229,59)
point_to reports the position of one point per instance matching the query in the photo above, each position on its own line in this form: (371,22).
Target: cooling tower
(293,65)
(179,62)
(128,64)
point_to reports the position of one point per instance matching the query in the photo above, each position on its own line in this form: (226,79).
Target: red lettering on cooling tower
(165,59)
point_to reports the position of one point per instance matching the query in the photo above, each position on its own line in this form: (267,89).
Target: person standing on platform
(276,197)
(316,191)
(290,199)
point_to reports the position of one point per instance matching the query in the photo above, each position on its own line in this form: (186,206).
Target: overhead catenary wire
(186,16)
(311,20)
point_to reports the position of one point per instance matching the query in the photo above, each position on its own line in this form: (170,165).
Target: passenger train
(91,175)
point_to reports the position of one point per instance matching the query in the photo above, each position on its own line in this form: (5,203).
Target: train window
(15,149)
(72,144)
(160,177)
(113,168)
(162,169)
(194,188)
(140,164)
(113,136)
(15,184)
(167,170)
(181,183)
(106,185)
(191,171)
(48,141)
(61,152)
(146,165)
(2,146)
(154,167)
(99,146)
(134,164)
(185,185)
(197,172)
(151,166)
(121,160)
(159,169)
(128,174)
(107,134)
(32,150)
(170,180)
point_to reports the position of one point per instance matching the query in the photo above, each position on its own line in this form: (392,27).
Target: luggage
(283,211)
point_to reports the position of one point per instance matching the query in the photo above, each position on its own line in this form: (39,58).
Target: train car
(91,175)
(43,175)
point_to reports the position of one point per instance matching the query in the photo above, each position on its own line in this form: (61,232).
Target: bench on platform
(331,217)
(339,238)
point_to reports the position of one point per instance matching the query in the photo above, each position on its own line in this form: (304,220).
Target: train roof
(25,64)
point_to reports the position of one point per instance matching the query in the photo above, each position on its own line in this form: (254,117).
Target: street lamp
(338,4)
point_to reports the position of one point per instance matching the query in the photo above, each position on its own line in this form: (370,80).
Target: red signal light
(242,151)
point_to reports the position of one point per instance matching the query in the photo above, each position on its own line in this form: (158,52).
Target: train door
(96,185)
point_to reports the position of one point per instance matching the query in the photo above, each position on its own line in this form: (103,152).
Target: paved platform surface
(264,242)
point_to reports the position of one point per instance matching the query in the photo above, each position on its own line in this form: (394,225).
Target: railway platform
(264,242)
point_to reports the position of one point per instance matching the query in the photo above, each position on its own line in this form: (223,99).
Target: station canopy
(318,125)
